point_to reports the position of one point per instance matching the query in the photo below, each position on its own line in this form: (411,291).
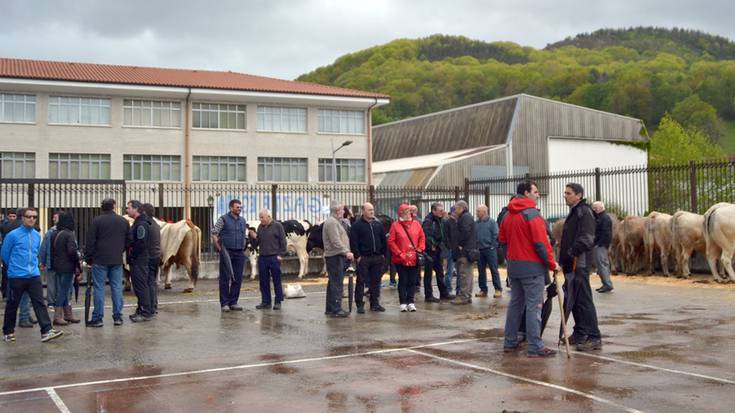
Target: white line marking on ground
(527,380)
(648,366)
(240,367)
(57,400)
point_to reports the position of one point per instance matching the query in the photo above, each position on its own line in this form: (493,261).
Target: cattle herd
(639,243)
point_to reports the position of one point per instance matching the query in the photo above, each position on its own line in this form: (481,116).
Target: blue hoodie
(20,252)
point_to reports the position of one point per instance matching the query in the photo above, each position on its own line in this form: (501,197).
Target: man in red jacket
(529,257)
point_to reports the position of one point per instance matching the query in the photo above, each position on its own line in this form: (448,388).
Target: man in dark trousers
(603,239)
(230,232)
(24,318)
(576,258)
(368,245)
(106,241)
(271,244)
(436,248)
(464,251)
(139,241)
(154,259)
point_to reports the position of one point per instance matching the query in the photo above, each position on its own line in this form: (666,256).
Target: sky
(285,39)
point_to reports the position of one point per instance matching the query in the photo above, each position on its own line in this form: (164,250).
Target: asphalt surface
(667,348)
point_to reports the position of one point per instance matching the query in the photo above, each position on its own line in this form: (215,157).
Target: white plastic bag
(294,291)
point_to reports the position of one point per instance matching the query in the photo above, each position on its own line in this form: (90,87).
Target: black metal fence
(626,191)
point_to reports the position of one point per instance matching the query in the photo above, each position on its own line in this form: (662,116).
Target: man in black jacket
(154,259)
(368,245)
(603,239)
(106,241)
(464,251)
(139,244)
(436,248)
(575,253)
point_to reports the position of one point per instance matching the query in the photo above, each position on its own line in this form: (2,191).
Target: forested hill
(643,72)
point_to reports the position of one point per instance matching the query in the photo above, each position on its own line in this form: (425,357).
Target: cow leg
(713,255)
(685,255)
(303,263)
(167,276)
(665,263)
(253,257)
(726,260)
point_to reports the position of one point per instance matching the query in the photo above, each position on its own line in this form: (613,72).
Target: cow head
(314,239)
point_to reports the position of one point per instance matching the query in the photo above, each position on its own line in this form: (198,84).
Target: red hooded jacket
(402,252)
(523,232)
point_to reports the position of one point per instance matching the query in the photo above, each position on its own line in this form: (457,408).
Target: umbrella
(571,290)
(545,310)
(76,289)
(224,257)
(350,286)
(87,298)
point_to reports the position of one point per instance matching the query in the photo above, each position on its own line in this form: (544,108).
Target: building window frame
(56,104)
(10,100)
(152,168)
(347,168)
(146,110)
(22,165)
(325,125)
(66,165)
(215,113)
(234,168)
(283,169)
(268,116)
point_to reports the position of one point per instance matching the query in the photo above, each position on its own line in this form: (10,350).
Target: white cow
(719,235)
(687,236)
(659,231)
(297,233)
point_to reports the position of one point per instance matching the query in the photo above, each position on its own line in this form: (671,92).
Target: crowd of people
(444,243)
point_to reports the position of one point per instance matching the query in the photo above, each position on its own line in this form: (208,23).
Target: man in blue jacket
(20,251)
(487,239)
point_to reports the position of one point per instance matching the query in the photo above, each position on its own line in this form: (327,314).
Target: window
(78,110)
(78,166)
(282,169)
(218,116)
(17,108)
(152,167)
(151,113)
(219,168)
(17,165)
(348,170)
(342,121)
(278,119)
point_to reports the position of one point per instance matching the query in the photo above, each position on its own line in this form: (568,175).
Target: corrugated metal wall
(540,118)
(453,174)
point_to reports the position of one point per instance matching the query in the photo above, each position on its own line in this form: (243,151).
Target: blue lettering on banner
(312,207)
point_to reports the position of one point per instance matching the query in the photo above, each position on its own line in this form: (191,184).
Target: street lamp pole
(334,166)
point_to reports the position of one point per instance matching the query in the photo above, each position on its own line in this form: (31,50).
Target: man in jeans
(603,239)
(106,241)
(336,254)
(487,239)
(271,244)
(20,251)
(529,257)
(368,244)
(229,235)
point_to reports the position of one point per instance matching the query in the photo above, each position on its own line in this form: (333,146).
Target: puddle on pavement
(480,333)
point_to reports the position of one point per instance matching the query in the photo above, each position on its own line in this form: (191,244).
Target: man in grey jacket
(336,254)
(487,239)
(464,251)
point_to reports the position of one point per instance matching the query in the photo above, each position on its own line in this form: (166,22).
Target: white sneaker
(404,308)
(51,334)
(412,308)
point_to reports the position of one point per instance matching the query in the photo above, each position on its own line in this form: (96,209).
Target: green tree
(673,144)
(694,113)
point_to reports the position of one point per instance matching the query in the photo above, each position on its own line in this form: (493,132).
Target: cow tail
(709,219)
(196,252)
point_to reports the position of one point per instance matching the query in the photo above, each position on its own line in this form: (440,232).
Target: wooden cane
(563,318)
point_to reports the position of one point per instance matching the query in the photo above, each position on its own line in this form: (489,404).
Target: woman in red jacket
(405,240)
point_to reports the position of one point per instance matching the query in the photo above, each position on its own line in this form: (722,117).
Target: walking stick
(350,286)
(563,317)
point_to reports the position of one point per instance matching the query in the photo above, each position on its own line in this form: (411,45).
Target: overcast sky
(287,38)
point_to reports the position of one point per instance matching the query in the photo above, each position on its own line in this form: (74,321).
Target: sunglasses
(30,216)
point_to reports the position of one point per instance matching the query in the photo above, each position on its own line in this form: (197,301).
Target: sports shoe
(412,308)
(9,338)
(590,345)
(603,290)
(225,308)
(497,294)
(481,294)
(236,307)
(263,306)
(51,334)
(404,308)
(379,308)
(118,322)
(95,323)
(545,352)
(139,318)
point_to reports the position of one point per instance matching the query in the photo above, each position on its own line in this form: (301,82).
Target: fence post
(467,190)
(160,200)
(371,194)
(487,197)
(31,195)
(693,185)
(597,185)
(456,194)
(274,204)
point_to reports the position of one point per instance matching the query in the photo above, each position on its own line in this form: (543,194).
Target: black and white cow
(296,241)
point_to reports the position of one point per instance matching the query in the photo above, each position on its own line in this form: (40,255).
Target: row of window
(70,110)
(168,168)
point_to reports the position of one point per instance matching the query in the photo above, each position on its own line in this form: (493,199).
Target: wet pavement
(667,348)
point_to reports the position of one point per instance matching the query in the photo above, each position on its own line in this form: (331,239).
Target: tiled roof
(151,76)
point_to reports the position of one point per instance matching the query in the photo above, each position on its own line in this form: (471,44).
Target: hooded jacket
(402,252)
(523,234)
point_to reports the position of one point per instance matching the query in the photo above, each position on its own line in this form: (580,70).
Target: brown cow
(556,230)
(659,238)
(719,234)
(634,243)
(687,236)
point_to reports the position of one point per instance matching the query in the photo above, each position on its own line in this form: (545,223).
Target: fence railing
(626,191)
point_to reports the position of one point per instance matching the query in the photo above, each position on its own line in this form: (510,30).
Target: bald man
(603,239)
(368,244)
